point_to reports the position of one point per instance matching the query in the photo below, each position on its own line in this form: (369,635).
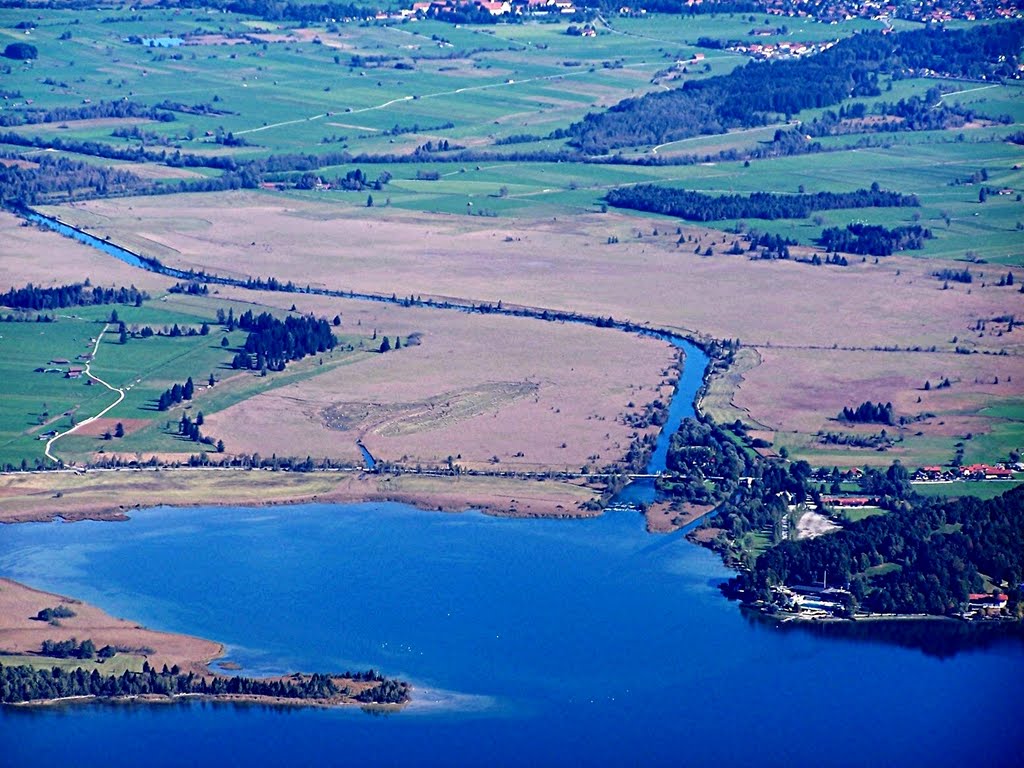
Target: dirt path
(101,414)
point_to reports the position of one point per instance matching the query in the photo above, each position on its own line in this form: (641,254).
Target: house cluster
(780,50)
(493,7)
(966,472)
(919,10)
(811,601)
(982,604)
(57,365)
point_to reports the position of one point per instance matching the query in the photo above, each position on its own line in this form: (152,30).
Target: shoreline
(47,497)
(238,699)
(140,651)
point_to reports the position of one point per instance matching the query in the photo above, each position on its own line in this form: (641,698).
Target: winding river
(530,642)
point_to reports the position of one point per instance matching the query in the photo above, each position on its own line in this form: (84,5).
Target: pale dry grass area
(818,384)
(44,258)
(537,396)
(556,263)
(36,497)
(20,633)
(814,327)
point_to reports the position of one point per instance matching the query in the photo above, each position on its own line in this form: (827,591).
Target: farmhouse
(988,605)
(986,472)
(74,373)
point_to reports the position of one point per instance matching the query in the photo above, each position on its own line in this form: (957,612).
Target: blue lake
(530,642)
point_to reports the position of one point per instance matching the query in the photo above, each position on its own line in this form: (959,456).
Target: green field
(113,666)
(988,489)
(36,403)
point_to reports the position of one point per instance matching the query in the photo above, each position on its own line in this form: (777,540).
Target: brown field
(107,424)
(26,497)
(34,129)
(822,382)
(665,517)
(536,396)
(151,171)
(558,264)
(813,327)
(45,258)
(21,634)
(13,162)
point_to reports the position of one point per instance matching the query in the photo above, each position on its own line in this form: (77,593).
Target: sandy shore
(46,496)
(20,633)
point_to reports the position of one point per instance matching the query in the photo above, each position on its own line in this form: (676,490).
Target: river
(530,642)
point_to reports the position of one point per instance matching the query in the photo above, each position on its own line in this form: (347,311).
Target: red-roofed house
(846,501)
(988,604)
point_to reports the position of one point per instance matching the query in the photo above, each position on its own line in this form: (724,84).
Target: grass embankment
(74,496)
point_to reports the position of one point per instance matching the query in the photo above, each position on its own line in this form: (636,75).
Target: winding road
(101,414)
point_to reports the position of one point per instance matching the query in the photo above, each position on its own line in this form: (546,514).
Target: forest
(23,683)
(35,298)
(761,93)
(697,206)
(940,549)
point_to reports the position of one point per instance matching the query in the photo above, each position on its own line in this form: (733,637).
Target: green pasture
(115,665)
(988,489)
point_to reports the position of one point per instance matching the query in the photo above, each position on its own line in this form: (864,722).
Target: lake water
(530,642)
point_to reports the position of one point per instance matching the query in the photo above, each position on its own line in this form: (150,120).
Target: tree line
(72,649)
(36,298)
(23,683)
(761,92)
(697,206)
(60,114)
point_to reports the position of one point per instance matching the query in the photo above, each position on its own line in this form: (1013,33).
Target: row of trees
(697,206)
(72,649)
(874,239)
(23,683)
(59,114)
(36,298)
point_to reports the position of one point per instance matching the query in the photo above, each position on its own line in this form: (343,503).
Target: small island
(54,648)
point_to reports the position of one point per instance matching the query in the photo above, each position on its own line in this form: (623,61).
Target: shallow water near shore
(530,642)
